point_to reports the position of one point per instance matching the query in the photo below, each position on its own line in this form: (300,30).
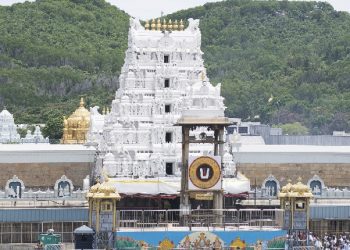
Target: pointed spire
(147,25)
(159,25)
(170,25)
(82,103)
(203,76)
(153,25)
(175,26)
(182,26)
(164,26)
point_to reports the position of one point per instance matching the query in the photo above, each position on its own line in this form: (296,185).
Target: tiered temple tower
(162,77)
(8,130)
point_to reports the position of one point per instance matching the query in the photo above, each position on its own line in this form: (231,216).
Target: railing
(211,218)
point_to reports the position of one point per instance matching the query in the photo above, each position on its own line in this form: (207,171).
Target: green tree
(54,127)
(22,132)
(295,128)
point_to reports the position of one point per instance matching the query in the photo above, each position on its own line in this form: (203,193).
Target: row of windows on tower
(169,166)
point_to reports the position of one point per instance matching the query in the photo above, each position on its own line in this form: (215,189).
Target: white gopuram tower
(8,130)
(162,77)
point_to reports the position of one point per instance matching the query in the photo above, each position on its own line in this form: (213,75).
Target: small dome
(80,113)
(125,98)
(104,190)
(300,188)
(5,113)
(117,125)
(297,190)
(227,157)
(109,157)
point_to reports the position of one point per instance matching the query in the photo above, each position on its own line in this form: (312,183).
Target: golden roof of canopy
(295,190)
(106,190)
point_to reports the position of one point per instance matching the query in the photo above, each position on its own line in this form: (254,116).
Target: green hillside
(298,52)
(52,51)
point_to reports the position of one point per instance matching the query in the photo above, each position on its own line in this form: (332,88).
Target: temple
(8,129)
(76,126)
(163,79)
(35,137)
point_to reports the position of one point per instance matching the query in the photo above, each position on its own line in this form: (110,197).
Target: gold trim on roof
(106,190)
(164,25)
(297,190)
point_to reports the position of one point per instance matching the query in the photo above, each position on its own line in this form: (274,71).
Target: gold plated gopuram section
(76,126)
(170,26)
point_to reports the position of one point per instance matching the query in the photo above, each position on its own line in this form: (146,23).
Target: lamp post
(277,103)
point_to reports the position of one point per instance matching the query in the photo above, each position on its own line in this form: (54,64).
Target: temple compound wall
(41,165)
(333,174)
(330,163)
(44,175)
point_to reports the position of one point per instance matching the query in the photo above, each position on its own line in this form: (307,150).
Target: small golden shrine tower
(76,126)
(295,200)
(102,199)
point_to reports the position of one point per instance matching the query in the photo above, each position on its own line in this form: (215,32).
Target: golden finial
(182,26)
(170,25)
(153,25)
(159,25)
(82,102)
(175,26)
(104,110)
(105,176)
(147,25)
(164,26)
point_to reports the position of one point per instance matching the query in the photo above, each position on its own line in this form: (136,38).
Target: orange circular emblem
(204,172)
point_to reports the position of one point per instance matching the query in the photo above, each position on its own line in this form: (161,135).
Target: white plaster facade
(8,130)
(35,137)
(163,78)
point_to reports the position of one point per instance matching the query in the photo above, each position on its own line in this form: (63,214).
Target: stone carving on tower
(76,126)
(35,137)
(162,78)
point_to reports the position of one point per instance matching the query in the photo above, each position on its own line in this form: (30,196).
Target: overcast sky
(145,9)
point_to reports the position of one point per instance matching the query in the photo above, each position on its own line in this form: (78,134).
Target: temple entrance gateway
(201,179)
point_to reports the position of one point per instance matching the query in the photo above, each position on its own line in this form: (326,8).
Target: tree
(54,126)
(295,128)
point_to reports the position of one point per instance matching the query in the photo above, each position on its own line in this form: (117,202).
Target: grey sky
(145,9)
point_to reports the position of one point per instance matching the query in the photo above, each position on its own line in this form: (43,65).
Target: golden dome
(77,125)
(297,190)
(104,190)
(80,113)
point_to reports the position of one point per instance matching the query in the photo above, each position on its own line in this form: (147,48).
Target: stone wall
(44,175)
(333,174)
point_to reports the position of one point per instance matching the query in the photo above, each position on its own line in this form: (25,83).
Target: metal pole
(255,193)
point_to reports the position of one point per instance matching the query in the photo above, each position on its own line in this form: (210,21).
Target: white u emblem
(204,174)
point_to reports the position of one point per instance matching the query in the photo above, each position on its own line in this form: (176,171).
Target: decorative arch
(316,184)
(271,185)
(14,187)
(63,187)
